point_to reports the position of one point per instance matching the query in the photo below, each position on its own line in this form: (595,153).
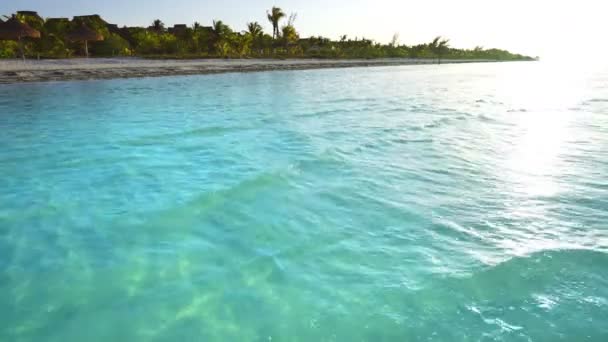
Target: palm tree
(444,46)
(219,40)
(158,26)
(439,47)
(242,44)
(274,16)
(220,29)
(254,29)
(255,33)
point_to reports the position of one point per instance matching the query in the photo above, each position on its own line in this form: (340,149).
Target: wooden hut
(86,35)
(15,30)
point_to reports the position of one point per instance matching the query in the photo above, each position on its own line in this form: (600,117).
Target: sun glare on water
(542,113)
(545,117)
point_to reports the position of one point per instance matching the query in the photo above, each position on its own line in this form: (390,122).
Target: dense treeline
(59,40)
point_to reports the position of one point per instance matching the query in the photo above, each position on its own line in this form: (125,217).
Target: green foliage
(112,45)
(242,44)
(219,40)
(8,49)
(58,27)
(169,44)
(289,36)
(202,41)
(52,46)
(152,43)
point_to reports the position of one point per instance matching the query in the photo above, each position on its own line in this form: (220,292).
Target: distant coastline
(49,49)
(16,71)
(28,35)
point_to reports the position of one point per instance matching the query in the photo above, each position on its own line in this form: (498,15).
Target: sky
(548,28)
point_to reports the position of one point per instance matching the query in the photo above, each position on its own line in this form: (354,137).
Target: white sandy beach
(16,71)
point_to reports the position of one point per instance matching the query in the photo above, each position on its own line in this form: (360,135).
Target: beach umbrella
(84,34)
(13,29)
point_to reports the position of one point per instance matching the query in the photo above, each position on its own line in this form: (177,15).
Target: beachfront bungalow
(14,29)
(30,14)
(31,18)
(97,23)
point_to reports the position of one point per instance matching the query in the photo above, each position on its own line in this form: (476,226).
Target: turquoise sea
(414,203)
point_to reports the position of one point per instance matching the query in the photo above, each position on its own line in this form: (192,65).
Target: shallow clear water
(450,203)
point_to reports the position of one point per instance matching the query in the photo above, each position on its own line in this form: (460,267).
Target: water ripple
(460,202)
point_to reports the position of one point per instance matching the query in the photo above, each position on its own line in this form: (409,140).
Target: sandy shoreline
(16,71)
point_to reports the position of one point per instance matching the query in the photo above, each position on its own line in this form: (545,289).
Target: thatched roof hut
(13,29)
(31,18)
(85,34)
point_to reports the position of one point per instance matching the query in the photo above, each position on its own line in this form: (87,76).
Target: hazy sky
(551,29)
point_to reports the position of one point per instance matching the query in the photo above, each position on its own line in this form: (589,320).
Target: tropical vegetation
(216,40)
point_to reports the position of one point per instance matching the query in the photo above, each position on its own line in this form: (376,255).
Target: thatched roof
(83,33)
(94,19)
(13,29)
(88,16)
(31,14)
(52,20)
